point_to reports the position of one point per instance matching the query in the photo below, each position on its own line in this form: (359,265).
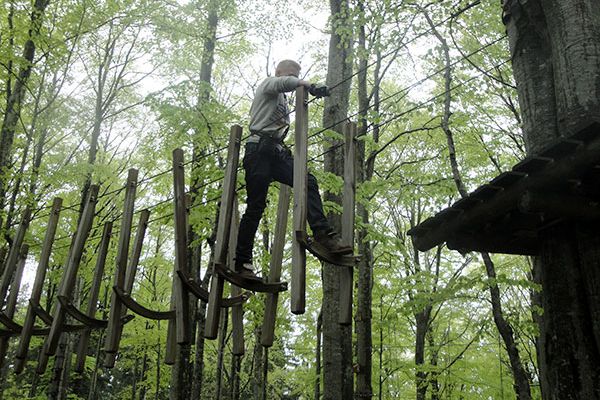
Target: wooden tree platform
(507,214)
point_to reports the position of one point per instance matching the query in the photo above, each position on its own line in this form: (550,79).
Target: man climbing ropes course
(266,159)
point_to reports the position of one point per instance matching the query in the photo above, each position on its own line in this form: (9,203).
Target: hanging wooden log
(298,295)
(111,343)
(127,288)
(348,204)
(237,312)
(11,303)
(38,286)
(82,346)
(268,327)
(182,300)
(11,261)
(171,351)
(217,282)
(67,285)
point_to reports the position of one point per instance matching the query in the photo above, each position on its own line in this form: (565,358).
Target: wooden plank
(182,300)
(38,286)
(543,173)
(271,300)
(216,283)
(237,312)
(84,338)
(127,287)
(171,345)
(67,285)
(111,341)
(10,263)
(300,183)
(348,217)
(11,303)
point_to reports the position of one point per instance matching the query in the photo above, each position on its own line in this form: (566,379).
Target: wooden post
(84,339)
(237,312)
(347,274)
(268,328)
(216,284)
(38,286)
(182,299)
(111,343)
(13,254)
(298,295)
(67,285)
(11,303)
(134,258)
(171,348)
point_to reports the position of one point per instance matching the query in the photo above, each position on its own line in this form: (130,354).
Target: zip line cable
(216,151)
(416,107)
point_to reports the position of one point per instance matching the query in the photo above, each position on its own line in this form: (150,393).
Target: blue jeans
(263,167)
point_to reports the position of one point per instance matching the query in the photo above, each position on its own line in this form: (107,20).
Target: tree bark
(337,339)
(567,48)
(15,99)
(318,356)
(521,380)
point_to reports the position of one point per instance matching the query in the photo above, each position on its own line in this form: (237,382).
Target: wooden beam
(127,287)
(237,312)
(11,303)
(38,286)
(10,263)
(348,217)
(271,300)
(559,205)
(216,283)
(300,183)
(542,173)
(111,342)
(67,285)
(82,345)
(182,302)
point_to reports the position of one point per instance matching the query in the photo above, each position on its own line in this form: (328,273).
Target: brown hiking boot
(332,242)
(246,270)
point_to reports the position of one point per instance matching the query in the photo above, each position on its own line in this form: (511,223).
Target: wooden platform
(561,183)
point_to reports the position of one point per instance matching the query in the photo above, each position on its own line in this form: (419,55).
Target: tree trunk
(558,43)
(15,99)
(521,380)
(318,357)
(337,339)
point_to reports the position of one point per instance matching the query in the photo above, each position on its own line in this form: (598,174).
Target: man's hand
(319,90)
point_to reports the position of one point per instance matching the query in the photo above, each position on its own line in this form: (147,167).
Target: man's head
(288,68)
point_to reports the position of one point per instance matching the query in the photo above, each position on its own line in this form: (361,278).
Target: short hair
(287,65)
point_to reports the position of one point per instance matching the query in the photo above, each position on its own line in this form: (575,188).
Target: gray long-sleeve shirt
(269,111)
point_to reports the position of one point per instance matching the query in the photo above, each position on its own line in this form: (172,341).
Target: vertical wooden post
(111,342)
(182,299)
(38,286)
(11,261)
(11,303)
(268,328)
(127,287)
(298,295)
(347,274)
(216,284)
(82,345)
(237,312)
(171,348)
(67,284)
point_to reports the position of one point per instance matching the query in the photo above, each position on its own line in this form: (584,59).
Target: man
(267,159)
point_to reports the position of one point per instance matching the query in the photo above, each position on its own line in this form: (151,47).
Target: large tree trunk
(337,339)
(558,42)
